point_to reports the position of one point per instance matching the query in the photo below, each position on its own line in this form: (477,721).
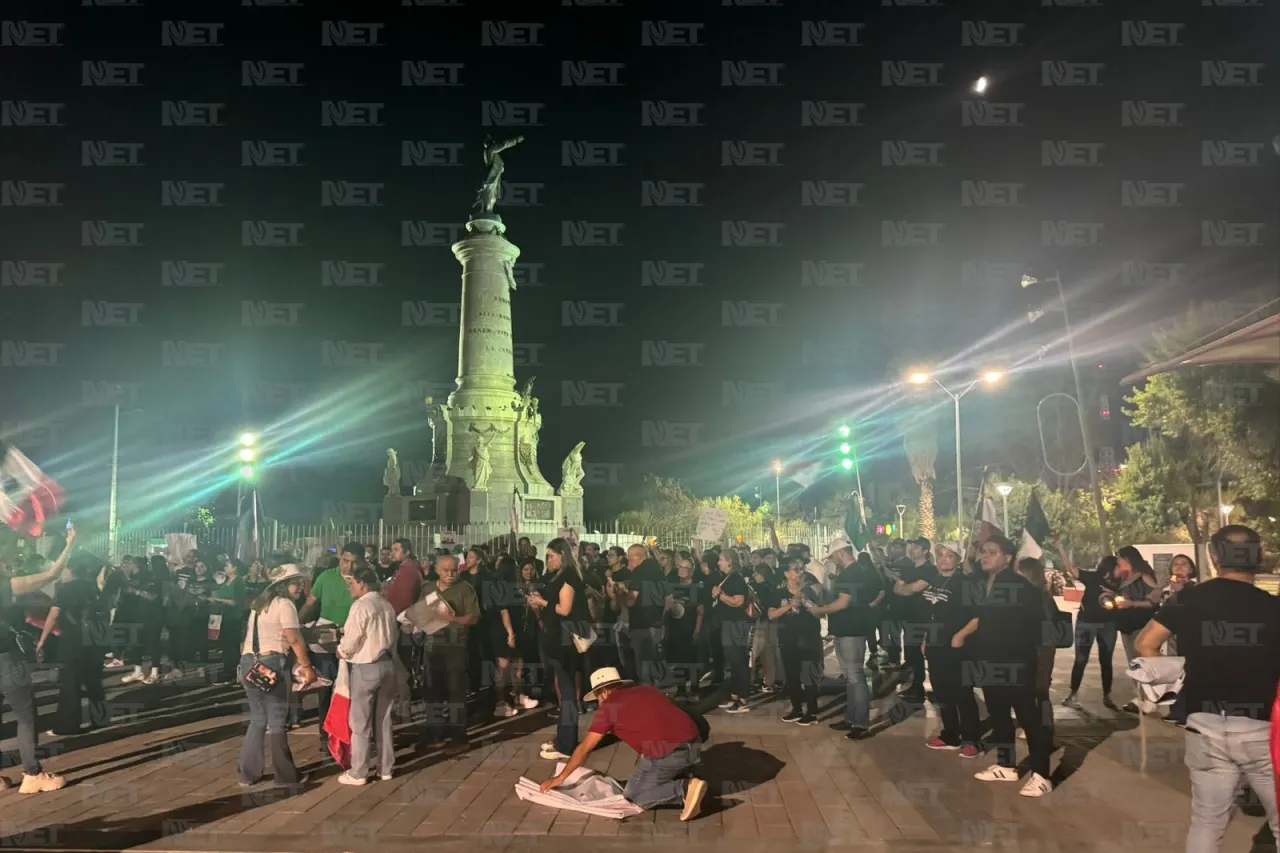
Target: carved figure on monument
(571,473)
(491,189)
(391,476)
(526,396)
(439,435)
(481,467)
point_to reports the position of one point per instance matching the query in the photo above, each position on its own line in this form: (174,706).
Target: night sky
(736,220)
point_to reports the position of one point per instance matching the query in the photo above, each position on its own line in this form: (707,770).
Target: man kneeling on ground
(664,736)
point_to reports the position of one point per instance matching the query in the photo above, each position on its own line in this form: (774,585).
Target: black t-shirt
(862,585)
(82,618)
(798,629)
(1134,619)
(767,596)
(913,608)
(650,582)
(1229,633)
(949,607)
(557,630)
(690,596)
(708,582)
(1011,618)
(1091,609)
(733,584)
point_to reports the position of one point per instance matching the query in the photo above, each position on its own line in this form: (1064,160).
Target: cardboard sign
(712,524)
(448,538)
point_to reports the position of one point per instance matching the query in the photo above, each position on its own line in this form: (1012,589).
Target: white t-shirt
(279,616)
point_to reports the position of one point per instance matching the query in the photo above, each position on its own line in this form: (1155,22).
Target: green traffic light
(846,464)
(846,448)
(844,431)
(247,472)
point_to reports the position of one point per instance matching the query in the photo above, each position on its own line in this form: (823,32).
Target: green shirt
(234,591)
(461,597)
(331,590)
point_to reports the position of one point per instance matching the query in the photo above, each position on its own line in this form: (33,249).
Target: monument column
(485,360)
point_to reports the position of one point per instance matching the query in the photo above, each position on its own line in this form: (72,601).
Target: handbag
(259,675)
(582,642)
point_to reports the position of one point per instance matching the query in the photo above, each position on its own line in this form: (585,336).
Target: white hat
(953,546)
(605,676)
(838,544)
(284,574)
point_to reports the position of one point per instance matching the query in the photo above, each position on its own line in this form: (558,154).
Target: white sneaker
(554,755)
(1036,786)
(153,677)
(386,777)
(527,702)
(549,746)
(348,779)
(134,677)
(996,773)
(112,662)
(505,710)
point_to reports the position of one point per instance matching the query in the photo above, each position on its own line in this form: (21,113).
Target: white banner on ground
(584,791)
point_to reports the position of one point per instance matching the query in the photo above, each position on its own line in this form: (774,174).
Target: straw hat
(605,676)
(284,574)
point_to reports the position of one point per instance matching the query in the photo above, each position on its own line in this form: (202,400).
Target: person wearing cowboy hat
(273,631)
(665,737)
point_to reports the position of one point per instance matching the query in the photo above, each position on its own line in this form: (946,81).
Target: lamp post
(247,457)
(777,488)
(1103,536)
(1226,510)
(1005,490)
(113,526)
(901,508)
(990,377)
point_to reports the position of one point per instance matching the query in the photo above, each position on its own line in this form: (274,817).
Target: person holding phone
(800,638)
(15,679)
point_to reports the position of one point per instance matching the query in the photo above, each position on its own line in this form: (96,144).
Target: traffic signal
(845,447)
(248,456)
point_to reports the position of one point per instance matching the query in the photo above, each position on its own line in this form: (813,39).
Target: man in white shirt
(368,638)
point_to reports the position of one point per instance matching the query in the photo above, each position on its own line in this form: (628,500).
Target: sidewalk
(169,784)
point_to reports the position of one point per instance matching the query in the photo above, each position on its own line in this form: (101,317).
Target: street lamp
(777,488)
(920,378)
(1005,490)
(980,85)
(247,456)
(113,527)
(1226,510)
(1104,537)
(901,508)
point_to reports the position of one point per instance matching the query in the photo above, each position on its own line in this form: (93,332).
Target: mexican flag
(1035,531)
(337,724)
(989,523)
(27,496)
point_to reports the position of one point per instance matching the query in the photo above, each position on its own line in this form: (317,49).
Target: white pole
(1005,499)
(112,528)
(257,550)
(382,532)
(959,468)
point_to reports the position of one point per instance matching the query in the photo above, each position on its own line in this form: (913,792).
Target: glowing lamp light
(918,377)
(247,472)
(844,430)
(248,439)
(992,376)
(777,468)
(980,85)
(247,454)
(846,447)
(1004,489)
(846,464)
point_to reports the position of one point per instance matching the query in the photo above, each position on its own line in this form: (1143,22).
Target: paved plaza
(165,780)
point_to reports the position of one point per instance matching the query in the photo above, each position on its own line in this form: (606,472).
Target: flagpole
(977,505)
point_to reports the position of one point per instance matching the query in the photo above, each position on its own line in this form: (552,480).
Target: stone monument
(484,460)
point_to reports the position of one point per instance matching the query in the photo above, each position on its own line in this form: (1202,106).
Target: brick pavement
(166,781)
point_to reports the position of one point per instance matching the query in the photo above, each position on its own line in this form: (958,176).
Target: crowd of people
(508,630)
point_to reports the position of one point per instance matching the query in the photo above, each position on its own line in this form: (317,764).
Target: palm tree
(921,444)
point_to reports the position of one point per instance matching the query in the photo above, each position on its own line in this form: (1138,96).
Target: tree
(669,508)
(1160,487)
(921,444)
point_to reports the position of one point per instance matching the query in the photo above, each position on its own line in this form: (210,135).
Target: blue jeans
(268,726)
(851,652)
(567,726)
(659,781)
(1219,751)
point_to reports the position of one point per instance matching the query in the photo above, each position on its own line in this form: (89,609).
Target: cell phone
(69,524)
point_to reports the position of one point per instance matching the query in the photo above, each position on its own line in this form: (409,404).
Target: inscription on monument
(536,510)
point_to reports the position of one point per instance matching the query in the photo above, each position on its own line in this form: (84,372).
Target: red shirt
(646,720)
(402,591)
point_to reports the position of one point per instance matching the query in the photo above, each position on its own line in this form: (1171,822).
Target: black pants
(230,637)
(446,694)
(890,632)
(144,640)
(958,707)
(1086,633)
(81,671)
(1034,716)
(913,635)
(802,670)
(715,652)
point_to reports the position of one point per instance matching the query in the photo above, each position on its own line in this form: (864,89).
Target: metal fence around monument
(310,541)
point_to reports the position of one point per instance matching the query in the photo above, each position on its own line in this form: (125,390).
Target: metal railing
(312,540)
